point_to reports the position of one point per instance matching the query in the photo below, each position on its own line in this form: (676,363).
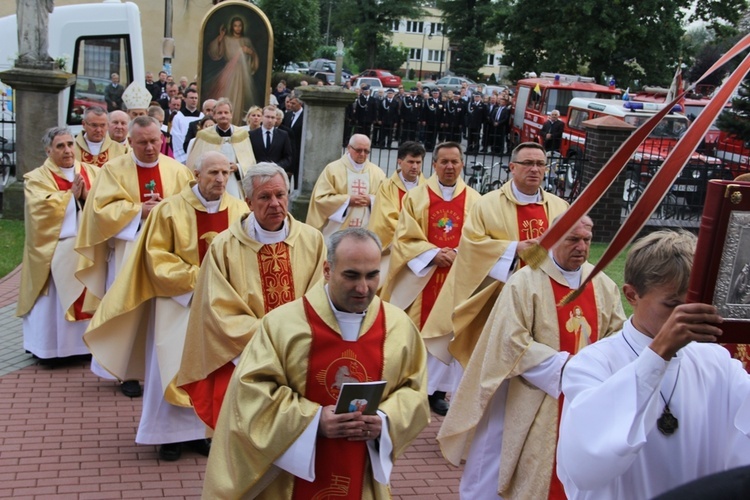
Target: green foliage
(468,58)
(325,52)
(366,25)
(295,28)
(390,57)
(292,80)
(630,40)
(11,245)
(737,121)
(615,269)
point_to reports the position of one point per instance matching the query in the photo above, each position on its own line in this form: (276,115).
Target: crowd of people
(187,272)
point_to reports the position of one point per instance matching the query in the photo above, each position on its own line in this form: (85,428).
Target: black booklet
(360,396)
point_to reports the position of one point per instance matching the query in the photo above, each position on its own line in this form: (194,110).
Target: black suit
(280,151)
(296,137)
(502,117)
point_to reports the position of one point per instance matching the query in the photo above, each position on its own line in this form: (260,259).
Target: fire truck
(536,97)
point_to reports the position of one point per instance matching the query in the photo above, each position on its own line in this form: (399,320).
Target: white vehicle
(374,83)
(91,40)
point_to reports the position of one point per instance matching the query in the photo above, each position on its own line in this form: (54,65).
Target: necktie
(268,139)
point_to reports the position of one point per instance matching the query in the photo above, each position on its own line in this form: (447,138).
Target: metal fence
(7,149)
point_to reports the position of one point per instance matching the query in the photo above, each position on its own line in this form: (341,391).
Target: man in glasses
(499,226)
(345,191)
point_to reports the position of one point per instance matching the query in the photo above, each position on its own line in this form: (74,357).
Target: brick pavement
(64,433)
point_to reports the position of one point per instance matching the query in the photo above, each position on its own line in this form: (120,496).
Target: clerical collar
(349,323)
(211,206)
(572,277)
(254,231)
(68,172)
(142,164)
(408,185)
(94,147)
(357,166)
(224,133)
(447,191)
(525,198)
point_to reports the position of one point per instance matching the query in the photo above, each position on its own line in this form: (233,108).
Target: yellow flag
(538,89)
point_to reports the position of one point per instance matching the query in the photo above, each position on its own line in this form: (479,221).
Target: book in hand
(360,396)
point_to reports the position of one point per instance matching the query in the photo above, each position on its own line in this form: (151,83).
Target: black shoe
(132,389)
(438,403)
(170,452)
(200,446)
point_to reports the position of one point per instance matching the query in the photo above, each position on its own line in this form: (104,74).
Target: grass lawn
(11,245)
(614,270)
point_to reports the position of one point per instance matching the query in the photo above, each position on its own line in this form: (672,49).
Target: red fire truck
(536,97)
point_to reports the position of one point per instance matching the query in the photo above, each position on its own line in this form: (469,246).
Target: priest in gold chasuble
(499,224)
(278,436)
(262,261)
(50,298)
(94,145)
(424,249)
(138,331)
(345,192)
(505,412)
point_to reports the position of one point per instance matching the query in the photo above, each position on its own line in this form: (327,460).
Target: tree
(295,29)
(737,120)
(472,24)
(629,40)
(366,25)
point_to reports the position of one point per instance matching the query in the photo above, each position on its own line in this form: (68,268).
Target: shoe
(170,452)
(438,403)
(132,389)
(200,446)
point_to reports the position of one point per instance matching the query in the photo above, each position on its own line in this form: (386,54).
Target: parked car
(388,78)
(491,89)
(328,77)
(291,68)
(448,83)
(303,66)
(328,66)
(374,83)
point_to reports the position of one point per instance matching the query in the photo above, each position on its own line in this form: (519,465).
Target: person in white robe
(659,404)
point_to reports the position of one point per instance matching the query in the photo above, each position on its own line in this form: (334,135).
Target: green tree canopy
(295,29)
(737,120)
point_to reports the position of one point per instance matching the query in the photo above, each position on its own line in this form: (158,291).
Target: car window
(455,81)
(443,81)
(386,73)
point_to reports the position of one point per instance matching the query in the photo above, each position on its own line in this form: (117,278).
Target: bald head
(118,125)
(212,172)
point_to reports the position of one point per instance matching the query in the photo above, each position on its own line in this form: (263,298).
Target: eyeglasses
(360,151)
(532,163)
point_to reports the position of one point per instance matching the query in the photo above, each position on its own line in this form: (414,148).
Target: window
(396,25)
(436,28)
(414,27)
(490,60)
(95,59)
(436,55)
(415,54)
(577,117)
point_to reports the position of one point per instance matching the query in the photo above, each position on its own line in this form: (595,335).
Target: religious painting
(236,56)
(732,294)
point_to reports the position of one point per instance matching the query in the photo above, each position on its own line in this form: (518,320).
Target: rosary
(667,423)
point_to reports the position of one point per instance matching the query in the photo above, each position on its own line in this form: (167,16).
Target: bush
(292,79)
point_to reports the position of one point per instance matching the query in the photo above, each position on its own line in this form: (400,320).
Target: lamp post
(421,54)
(442,54)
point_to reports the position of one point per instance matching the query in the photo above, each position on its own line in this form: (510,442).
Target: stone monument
(37,84)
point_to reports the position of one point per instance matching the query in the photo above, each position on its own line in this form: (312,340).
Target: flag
(675,88)
(626,95)
(538,89)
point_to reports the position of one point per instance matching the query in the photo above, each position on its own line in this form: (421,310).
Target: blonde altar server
(93,145)
(278,436)
(424,249)
(388,200)
(50,298)
(345,192)
(658,404)
(233,142)
(504,415)
(126,190)
(499,225)
(262,261)
(138,331)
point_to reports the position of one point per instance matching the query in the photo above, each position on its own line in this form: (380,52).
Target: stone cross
(33,33)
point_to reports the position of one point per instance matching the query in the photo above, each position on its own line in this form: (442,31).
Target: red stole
(532,222)
(339,464)
(445,220)
(401,195)
(578,324)
(209,225)
(276,279)
(277,283)
(740,352)
(66,185)
(149,181)
(92,159)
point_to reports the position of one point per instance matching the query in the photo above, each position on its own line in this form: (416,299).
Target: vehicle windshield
(671,127)
(560,98)
(692,113)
